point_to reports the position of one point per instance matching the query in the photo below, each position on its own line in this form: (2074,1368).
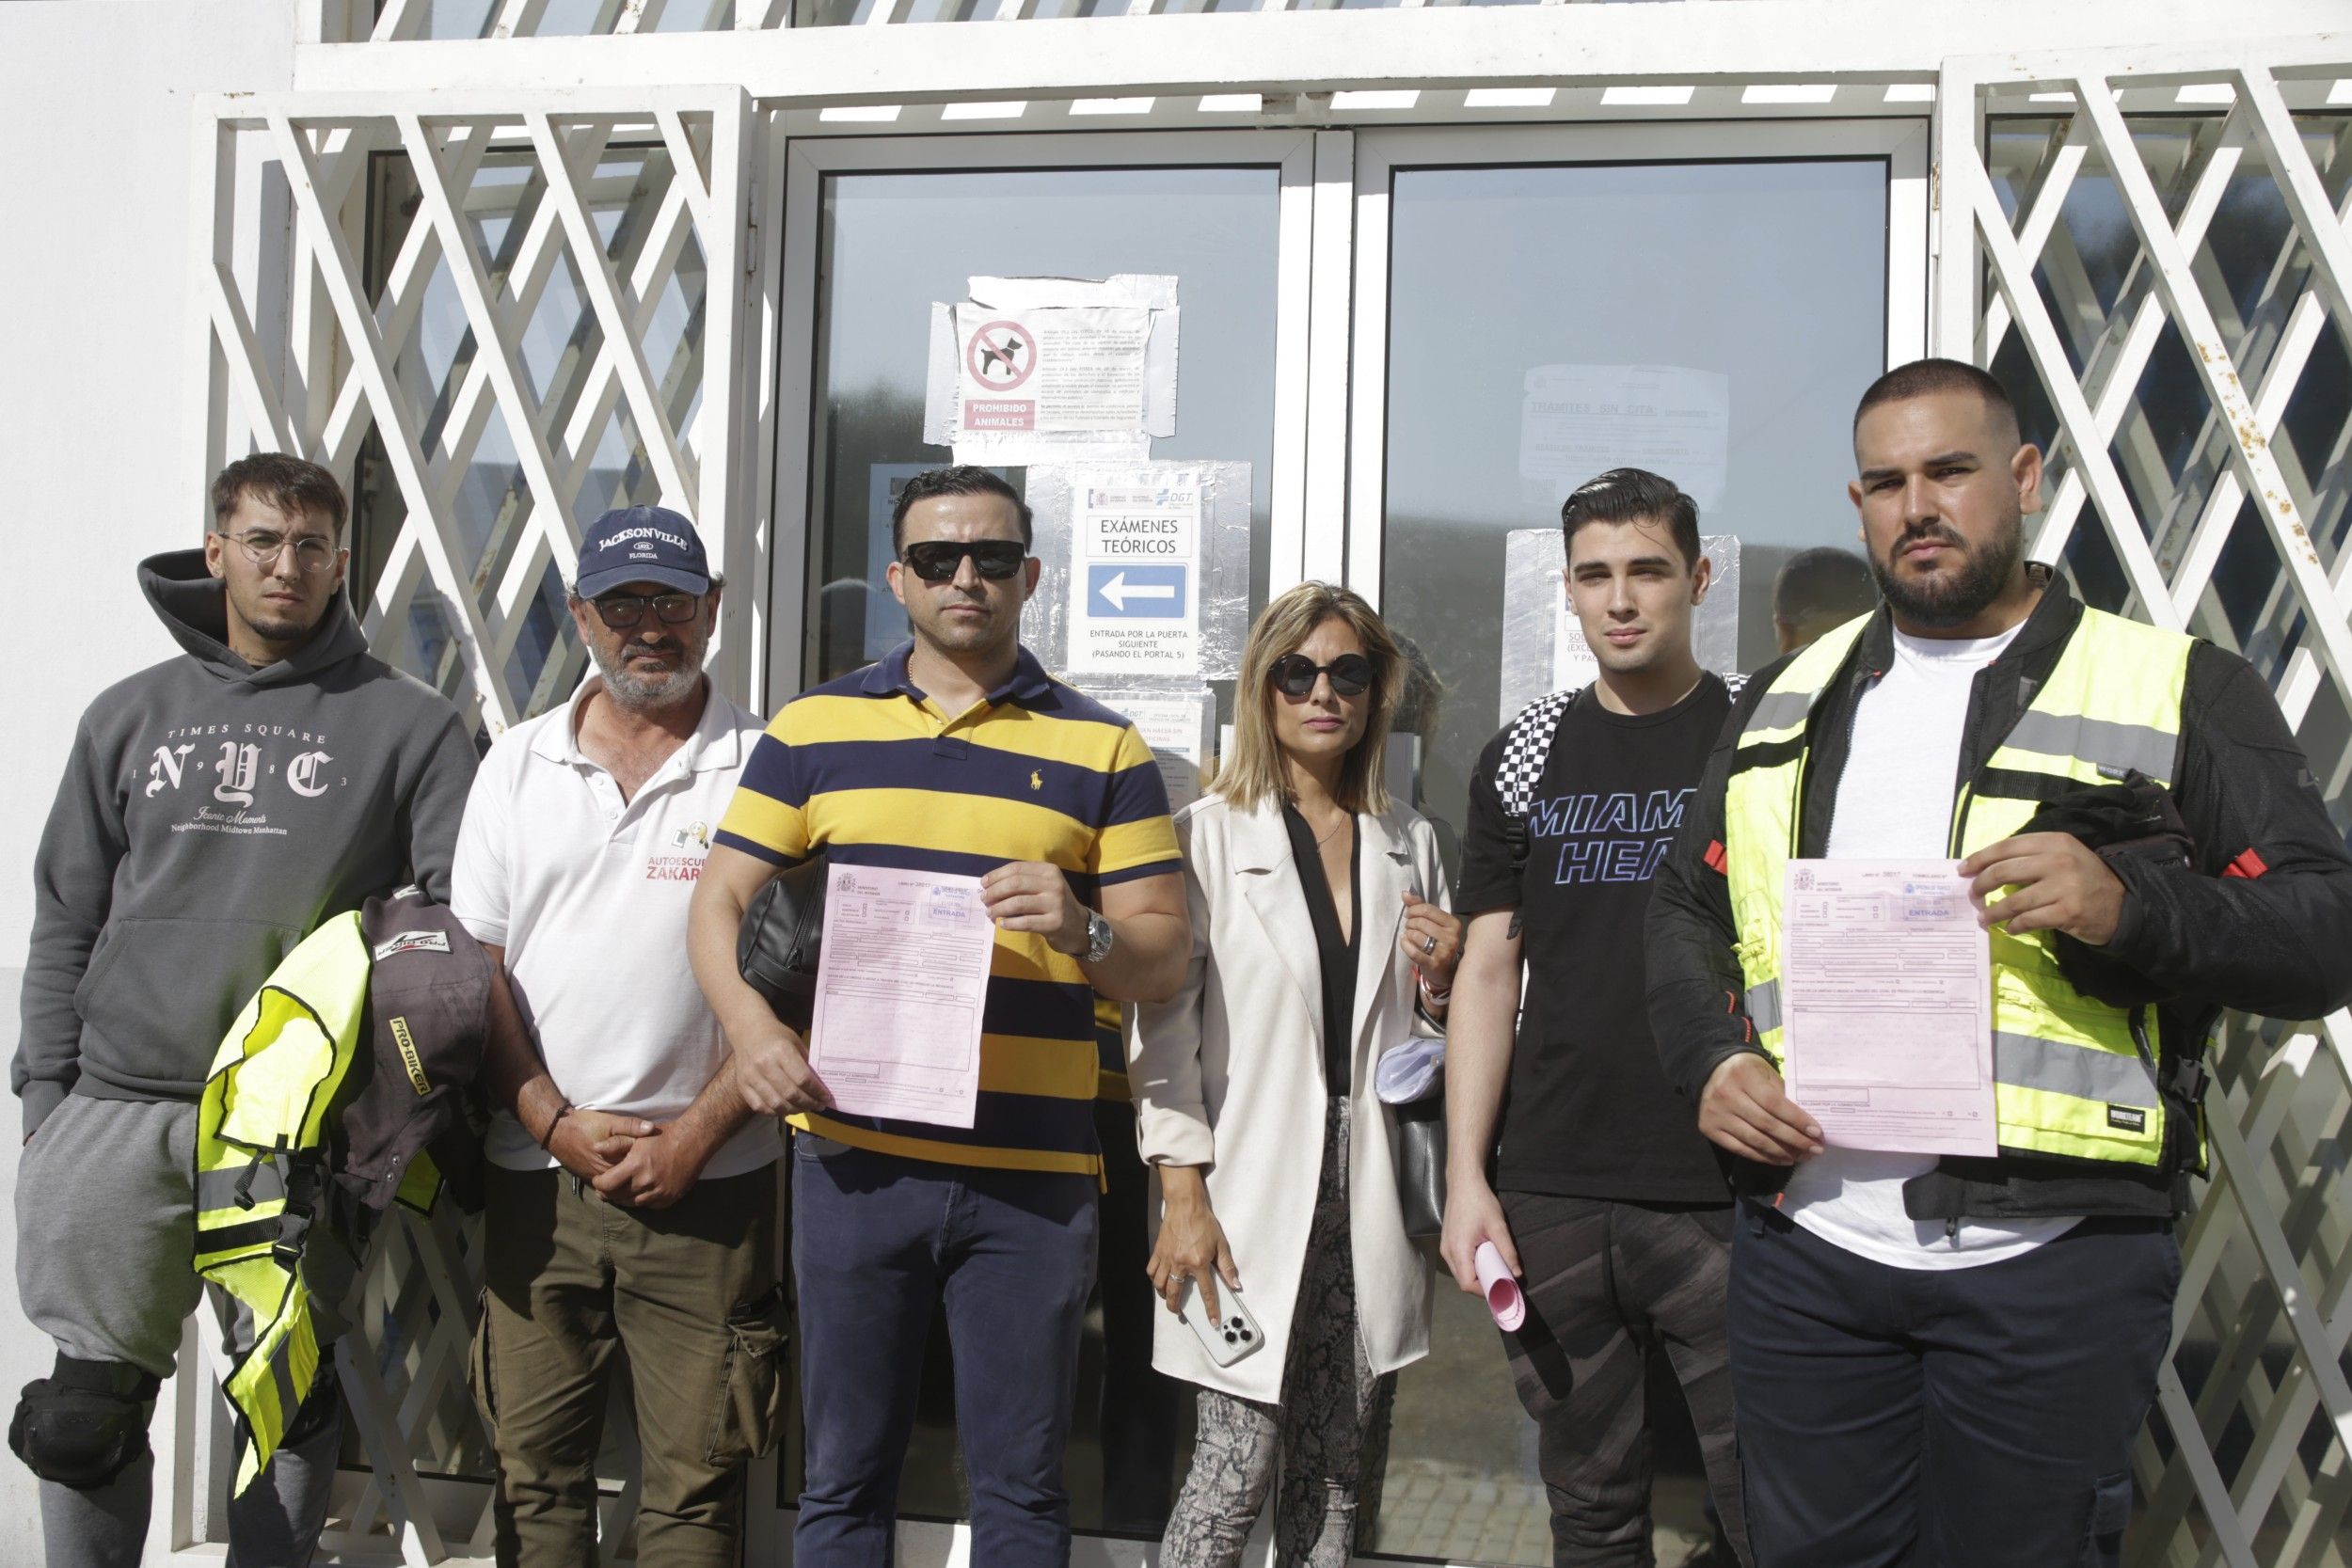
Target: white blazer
(1228,1074)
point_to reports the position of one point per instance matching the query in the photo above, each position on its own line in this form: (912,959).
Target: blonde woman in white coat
(1317,926)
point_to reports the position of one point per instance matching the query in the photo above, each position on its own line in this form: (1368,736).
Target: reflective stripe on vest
(2071,1078)
(261,1173)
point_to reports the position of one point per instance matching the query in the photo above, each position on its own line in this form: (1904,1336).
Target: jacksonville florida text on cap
(642,544)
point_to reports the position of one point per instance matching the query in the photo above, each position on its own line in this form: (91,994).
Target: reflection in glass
(892,243)
(1713,321)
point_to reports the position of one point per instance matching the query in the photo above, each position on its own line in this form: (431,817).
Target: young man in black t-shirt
(1603,1198)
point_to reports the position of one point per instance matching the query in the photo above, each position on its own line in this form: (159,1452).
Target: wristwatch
(1098,936)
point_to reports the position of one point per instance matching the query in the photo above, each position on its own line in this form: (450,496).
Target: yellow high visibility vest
(2071,1076)
(262,1178)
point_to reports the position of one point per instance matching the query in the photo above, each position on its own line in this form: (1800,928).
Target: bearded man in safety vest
(1946,1360)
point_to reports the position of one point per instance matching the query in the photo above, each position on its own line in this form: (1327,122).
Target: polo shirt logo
(1036,779)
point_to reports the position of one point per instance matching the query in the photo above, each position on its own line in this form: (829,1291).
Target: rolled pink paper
(1503,1292)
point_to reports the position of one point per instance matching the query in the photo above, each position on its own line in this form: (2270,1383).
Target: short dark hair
(964,479)
(291,485)
(1926,377)
(1632,496)
(1823,583)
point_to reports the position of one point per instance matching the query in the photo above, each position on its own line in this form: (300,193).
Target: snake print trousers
(1329,1433)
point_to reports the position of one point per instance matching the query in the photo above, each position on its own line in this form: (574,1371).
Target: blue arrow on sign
(1128,592)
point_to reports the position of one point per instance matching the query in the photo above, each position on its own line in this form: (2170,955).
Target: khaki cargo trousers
(690,1294)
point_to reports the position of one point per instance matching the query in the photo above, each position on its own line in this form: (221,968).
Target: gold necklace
(1345,818)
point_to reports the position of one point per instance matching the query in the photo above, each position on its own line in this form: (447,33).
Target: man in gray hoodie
(216,809)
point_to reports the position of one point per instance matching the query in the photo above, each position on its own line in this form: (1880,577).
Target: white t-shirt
(1895,803)
(588,895)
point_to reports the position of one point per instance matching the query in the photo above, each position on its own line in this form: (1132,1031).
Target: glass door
(876,230)
(1533,308)
(1775,267)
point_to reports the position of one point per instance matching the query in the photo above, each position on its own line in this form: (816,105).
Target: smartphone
(1230,1336)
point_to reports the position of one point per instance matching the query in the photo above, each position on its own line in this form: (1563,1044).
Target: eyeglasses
(623,611)
(940,559)
(1294,674)
(312,554)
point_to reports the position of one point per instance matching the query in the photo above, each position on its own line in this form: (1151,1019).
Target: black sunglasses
(939,559)
(623,611)
(1294,674)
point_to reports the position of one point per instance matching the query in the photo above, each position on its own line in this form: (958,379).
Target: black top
(1590,1112)
(1338,955)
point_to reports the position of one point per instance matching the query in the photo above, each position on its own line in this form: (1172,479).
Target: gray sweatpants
(105,1228)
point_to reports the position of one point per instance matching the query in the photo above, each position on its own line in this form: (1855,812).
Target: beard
(271,622)
(643,691)
(1952,598)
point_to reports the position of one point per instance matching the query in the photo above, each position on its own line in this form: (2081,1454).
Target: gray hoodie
(211,816)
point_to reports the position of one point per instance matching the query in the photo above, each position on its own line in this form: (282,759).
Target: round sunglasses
(939,559)
(1294,674)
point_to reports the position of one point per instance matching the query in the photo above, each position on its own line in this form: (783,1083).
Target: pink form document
(901,983)
(1886,995)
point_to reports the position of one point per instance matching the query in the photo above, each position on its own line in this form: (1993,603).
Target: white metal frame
(807,164)
(293,353)
(1903,145)
(1853,45)
(2268,1254)
(319,391)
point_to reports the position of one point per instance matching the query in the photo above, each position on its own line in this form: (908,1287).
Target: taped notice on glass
(1032,369)
(1175,724)
(1577,421)
(1134,580)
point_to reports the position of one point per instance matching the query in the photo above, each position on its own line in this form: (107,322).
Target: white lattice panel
(2179,294)
(538,346)
(547,319)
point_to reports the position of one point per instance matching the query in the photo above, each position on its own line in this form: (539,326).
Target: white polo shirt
(588,895)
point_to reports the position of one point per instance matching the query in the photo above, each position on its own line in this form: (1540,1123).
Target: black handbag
(783,933)
(1420,1164)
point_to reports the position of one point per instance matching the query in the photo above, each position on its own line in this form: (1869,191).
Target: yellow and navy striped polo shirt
(868,770)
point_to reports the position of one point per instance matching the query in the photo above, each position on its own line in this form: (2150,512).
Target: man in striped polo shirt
(956,753)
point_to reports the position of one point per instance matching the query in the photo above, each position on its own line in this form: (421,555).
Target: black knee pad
(84,1423)
(318,1411)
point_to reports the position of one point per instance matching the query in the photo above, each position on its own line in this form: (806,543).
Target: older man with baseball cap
(631,1193)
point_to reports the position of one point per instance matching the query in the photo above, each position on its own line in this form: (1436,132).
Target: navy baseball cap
(642,544)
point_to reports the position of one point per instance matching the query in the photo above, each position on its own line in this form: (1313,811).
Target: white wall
(94,404)
(94,393)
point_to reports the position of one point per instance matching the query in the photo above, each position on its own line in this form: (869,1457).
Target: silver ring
(1428,945)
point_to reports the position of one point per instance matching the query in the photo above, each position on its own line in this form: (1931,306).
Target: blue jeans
(1945,1418)
(877,1241)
